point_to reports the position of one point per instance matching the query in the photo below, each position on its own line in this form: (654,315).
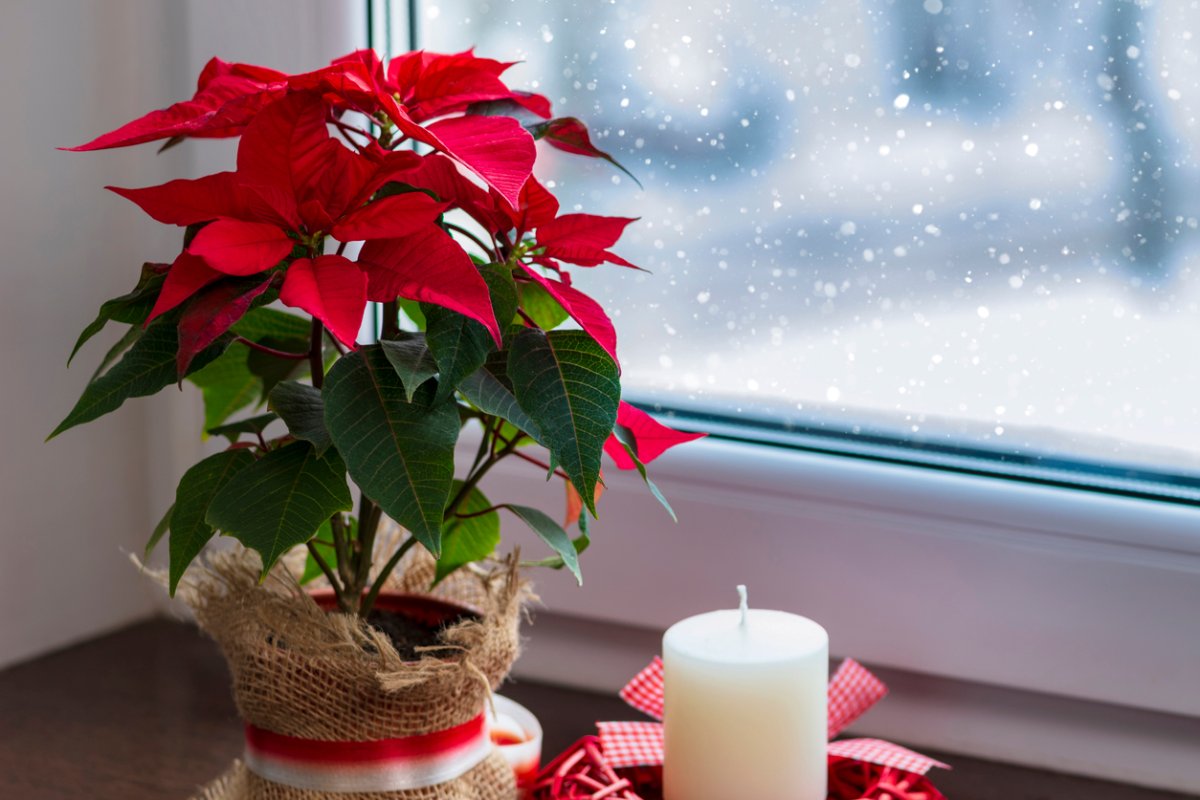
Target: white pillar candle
(745,706)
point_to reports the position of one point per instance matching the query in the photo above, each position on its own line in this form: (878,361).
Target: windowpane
(957,223)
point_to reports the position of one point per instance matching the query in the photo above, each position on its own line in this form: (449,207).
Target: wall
(75,507)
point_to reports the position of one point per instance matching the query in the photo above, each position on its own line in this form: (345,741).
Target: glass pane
(953,222)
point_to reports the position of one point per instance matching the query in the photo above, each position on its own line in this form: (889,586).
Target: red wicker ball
(581,773)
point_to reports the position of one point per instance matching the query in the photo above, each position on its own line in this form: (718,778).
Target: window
(937,231)
(959,227)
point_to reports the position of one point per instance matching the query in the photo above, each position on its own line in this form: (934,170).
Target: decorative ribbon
(385,765)
(852,691)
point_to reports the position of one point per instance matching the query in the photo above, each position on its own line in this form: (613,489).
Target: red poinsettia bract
(296,185)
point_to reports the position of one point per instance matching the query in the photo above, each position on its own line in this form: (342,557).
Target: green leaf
(470,539)
(580,543)
(641,468)
(189,530)
(270,369)
(232,430)
(160,530)
(280,500)
(227,385)
(411,359)
(264,323)
(490,390)
(503,290)
(131,308)
(396,187)
(569,386)
(460,344)
(148,366)
(119,348)
(541,307)
(302,409)
(552,534)
(508,432)
(412,310)
(400,454)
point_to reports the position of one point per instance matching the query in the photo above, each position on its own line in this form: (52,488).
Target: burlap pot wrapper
(300,671)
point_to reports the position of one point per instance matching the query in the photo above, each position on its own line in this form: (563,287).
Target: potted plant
(409,186)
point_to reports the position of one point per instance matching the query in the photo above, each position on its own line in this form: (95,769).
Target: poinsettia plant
(346,183)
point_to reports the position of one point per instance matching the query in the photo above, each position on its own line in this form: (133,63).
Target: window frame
(833,434)
(765,508)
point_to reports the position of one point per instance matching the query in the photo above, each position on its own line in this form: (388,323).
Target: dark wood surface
(145,713)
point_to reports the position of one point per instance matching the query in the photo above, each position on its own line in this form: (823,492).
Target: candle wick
(743,604)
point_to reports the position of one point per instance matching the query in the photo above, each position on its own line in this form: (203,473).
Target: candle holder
(517,733)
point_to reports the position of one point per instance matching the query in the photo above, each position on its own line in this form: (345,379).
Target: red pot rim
(421,607)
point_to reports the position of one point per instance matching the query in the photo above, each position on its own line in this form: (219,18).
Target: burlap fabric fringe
(300,671)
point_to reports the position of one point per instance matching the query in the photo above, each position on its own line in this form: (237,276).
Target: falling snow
(877,212)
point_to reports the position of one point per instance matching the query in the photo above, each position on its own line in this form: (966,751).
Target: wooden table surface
(145,713)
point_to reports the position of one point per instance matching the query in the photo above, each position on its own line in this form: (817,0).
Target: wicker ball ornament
(850,779)
(582,773)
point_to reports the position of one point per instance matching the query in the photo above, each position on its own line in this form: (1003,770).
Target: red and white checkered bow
(852,691)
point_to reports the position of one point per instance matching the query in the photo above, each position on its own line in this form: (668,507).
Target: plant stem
(271,351)
(369,601)
(489,251)
(540,463)
(316,361)
(483,443)
(485,511)
(368,524)
(473,480)
(506,247)
(368,516)
(346,130)
(345,568)
(329,574)
(391,320)
(336,344)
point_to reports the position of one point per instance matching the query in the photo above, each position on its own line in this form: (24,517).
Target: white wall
(72,69)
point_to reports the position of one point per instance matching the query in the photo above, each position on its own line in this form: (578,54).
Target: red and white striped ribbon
(851,692)
(386,765)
